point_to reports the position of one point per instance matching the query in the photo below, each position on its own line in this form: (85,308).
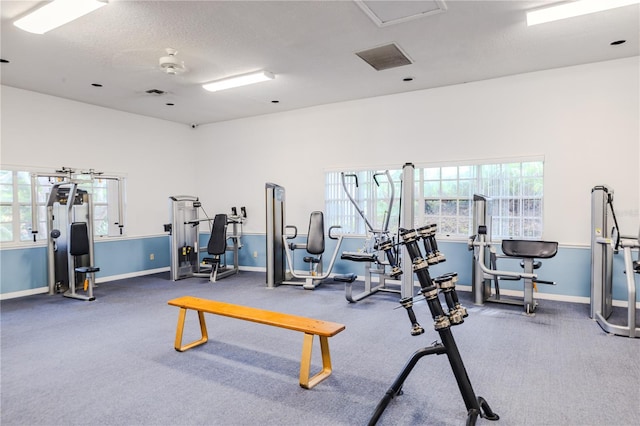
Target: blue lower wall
(23,269)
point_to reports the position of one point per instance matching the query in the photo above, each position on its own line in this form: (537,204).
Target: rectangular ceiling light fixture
(57,13)
(574,8)
(238,80)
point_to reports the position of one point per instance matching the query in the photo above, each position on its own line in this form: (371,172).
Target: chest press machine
(185,247)
(281,264)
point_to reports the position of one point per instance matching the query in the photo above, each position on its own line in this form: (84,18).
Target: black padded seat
(529,248)
(359,257)
(86,269)
(345,278)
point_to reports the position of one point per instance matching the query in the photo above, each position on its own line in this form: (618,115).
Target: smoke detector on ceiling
(170,64)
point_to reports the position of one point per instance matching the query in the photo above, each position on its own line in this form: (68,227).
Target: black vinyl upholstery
(217,244)
(78,239)
(529,248)
(315,236)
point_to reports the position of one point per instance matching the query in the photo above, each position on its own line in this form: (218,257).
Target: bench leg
(203,329)
(305,364)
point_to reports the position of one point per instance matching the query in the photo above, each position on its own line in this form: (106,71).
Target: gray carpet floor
(112,361)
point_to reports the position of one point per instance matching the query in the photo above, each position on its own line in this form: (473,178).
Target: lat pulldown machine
(69,229)
(430,288)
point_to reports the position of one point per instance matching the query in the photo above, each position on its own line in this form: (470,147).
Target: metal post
(407,219)
(275,216)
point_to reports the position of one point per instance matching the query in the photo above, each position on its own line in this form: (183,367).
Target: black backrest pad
(78,239)
(315,236)
(217,244)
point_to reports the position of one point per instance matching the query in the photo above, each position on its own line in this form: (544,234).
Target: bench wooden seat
(310,327)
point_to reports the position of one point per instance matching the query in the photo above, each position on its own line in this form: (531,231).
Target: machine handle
(497,272)
(353,176)
(330,229)
(295,232)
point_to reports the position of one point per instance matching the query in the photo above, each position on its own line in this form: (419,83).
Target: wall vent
(384,57)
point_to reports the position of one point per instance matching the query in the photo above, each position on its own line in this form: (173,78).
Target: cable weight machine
(184,240)
(606,241)
(430,289)
(69,227)
(383,254)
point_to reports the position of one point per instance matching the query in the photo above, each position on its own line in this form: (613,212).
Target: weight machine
(605,242)
(430,288)
(69,230)
(280,251)
(380,254)
(184,235)
(484,268)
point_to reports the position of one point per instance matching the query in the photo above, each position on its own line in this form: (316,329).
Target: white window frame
(468,178)
(18,224)
(367,194)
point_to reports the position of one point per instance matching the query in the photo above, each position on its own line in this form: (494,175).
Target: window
(16,204)
(444,196)
(371,190)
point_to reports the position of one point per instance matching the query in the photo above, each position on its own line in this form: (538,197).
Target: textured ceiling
(309,45)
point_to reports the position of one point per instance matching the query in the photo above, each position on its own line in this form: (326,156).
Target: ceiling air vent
(384,57)
(385,13)
(155,92)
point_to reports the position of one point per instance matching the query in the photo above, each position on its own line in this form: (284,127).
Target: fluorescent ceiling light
(239,80)
(57,13)
(574,8)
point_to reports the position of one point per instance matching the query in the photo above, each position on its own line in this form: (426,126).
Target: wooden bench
(310,327)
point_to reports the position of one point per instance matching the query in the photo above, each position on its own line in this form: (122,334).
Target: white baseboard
(23,293)
(515,293)
(41,290)
(131,275)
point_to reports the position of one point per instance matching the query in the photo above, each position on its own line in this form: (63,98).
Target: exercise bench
(310,327)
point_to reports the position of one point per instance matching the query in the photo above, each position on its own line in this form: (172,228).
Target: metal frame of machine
(605,242)
(68,204)
(184,236)
(280,260)
(484,268)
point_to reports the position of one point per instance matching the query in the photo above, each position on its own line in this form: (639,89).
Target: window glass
(443,195)
(16,204)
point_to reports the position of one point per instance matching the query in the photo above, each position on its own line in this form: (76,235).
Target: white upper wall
(584,120)
(156,156)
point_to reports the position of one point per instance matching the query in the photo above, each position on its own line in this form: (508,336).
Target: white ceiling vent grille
(385,13)
(384,57)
